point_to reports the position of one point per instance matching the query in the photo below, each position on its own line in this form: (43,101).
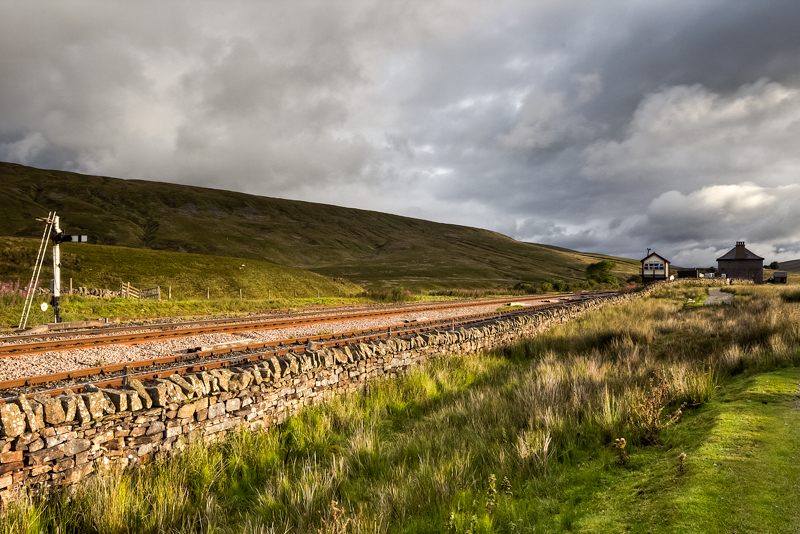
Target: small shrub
(647,408)
(619,449)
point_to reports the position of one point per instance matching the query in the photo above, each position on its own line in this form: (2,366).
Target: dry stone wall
(47,442)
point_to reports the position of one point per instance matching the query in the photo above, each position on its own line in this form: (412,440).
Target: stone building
(741,263)
(654,267)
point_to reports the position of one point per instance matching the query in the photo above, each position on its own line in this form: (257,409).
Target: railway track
(118,374)
(130,335)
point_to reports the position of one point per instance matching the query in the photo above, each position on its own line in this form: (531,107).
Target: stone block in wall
(201,387)
(216,410)
(201,404)
(174,432)
(52,441)
(53,411)
(158,394)
(28,408)
(11,467)
(13,420)
(225,424)
(232,405)
(239,381)
(186,388)
(63,465)
(223,378)
(294,364)
(275,367)
(265,369)
(95,402)
(69,405)
(102,437)
(118,398)
(139,388)
(23,442)
(155,428)
(44,456)
(187,410)
(75,446)
(10,457)
(174,392)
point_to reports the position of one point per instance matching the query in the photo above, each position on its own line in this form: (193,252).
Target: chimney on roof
(740,250)
(648,251)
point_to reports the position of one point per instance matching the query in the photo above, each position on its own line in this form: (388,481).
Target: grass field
(517,440)
(199,284)
(374,250)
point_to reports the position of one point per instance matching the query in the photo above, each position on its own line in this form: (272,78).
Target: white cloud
(686,136)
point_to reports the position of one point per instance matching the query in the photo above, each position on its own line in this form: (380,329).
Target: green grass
(191,277)
(741,470)
(371,249)
(432,451)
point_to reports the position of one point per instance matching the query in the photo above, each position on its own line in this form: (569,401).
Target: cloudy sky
(601,126)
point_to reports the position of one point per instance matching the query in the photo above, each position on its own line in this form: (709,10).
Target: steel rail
(317,311)
(225,327)
(293,345)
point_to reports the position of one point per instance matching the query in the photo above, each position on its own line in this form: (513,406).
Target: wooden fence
(127,291)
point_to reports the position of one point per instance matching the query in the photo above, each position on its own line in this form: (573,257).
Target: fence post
(169,297)
(70,286)
(208,293)
(317,293)
(269,294)
(240,293)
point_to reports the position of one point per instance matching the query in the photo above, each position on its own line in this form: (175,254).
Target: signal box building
(741,263)
(654,267)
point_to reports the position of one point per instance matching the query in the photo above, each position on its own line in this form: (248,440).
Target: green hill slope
(369,248)
(189,275)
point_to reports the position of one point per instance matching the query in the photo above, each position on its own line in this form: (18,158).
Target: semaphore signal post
(60,237)
(53,230)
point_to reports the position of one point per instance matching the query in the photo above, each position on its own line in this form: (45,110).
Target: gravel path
(58,362)
(717,296)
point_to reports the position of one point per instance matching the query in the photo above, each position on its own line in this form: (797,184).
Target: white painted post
(240,293)
(208,293)
(170,293)
(57,272)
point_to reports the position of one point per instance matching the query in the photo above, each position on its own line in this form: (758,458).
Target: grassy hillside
(369,248)
(189,275)
(792,265)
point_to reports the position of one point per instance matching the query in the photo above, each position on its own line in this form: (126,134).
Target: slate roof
(746,255)
(654,254)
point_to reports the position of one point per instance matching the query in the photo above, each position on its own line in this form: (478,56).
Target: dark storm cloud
(611,127)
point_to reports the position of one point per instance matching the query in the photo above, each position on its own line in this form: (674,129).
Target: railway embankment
(52,441)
